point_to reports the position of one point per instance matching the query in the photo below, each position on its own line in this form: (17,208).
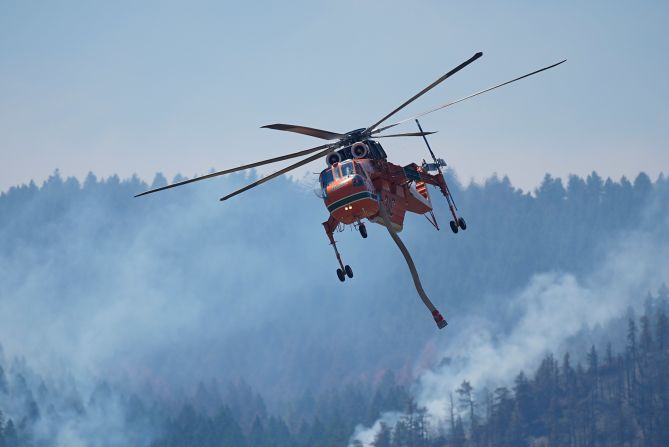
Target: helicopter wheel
(454,226)
(341,275)
(349,271)
(363,231)
(461,223)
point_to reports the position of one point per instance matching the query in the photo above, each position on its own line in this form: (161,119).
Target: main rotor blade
(425,90)
(240,168)
(408,134)
(381,129)
(318,133)
(278,173)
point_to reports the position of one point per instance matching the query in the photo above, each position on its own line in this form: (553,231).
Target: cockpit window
(347,168)
(343,169)
(326,177)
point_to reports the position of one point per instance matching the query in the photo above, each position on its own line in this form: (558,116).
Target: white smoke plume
(551,308)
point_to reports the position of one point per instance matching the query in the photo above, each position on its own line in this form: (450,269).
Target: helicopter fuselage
(353,187)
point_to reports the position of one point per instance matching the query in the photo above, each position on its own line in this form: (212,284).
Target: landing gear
(461,223)
(454,227)
(363,230)
(330,227)
(342,274)
(457,222)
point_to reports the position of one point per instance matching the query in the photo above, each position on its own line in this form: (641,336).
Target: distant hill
(175,288)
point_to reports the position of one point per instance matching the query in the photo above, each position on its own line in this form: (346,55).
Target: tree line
(612,398)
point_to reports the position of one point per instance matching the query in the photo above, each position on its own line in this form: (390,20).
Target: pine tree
(662,299)
(401,436)
(524,402)
(257,434)
(662,330)
(502,411)
(593,369)
(383,437)
(631,357)
(466,402)
(4,387)
(11,435)
(458,438)
(516,435)
(646,339)
(315,436)
(452,412)
(227,430)
(631,336)
(609,355)
(420,428)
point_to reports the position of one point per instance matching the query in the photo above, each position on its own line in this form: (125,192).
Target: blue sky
(138,87)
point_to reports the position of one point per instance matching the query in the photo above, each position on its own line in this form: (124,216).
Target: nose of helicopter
(345,186)
(351,199)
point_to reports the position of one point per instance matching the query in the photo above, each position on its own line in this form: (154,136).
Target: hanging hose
(438,318)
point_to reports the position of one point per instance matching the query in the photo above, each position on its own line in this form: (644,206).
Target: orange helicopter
(359,183)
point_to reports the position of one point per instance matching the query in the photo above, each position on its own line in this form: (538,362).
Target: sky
(183,87)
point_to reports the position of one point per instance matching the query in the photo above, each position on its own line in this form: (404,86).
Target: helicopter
(359,183)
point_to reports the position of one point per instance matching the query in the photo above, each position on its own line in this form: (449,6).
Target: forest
(613,397)
(176,321)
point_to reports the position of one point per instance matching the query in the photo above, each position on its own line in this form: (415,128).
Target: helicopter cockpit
(347,168)
(337,171)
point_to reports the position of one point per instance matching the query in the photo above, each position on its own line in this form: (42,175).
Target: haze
(176,87)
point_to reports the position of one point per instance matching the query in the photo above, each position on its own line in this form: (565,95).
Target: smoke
(551,308)
(60,411)
(366,435)
(108,280)
(177,288)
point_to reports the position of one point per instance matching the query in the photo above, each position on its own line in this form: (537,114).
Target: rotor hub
(354,136)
